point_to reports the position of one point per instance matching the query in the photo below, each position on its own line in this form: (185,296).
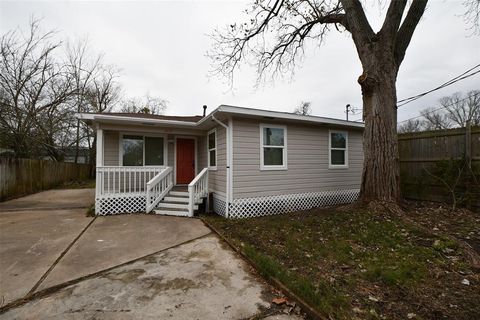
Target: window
(338,142)
(140,150)
(212,149)
(273,147)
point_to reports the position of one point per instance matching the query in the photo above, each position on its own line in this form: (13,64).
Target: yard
(350,263)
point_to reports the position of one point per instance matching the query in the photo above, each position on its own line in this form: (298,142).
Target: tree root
(383,207)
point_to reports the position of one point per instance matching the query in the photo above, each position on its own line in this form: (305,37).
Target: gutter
(96,117)
(229,147)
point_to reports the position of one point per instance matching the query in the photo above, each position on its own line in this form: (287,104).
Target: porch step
(175,206)
(171,212)
(178,193)
(178,199)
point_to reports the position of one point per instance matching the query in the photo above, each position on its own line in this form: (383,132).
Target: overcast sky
(160,47)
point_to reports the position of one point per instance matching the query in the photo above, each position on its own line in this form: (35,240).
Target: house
(243,162)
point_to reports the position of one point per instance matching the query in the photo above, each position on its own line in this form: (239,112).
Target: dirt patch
(356,264)
(439,218)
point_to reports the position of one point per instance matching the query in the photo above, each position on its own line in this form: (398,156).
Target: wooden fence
(429,161)
(24,176)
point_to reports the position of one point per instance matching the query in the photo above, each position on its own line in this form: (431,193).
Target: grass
(350,264)
(90,211)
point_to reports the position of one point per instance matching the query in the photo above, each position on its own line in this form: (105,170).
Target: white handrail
(158,187)
(197,189)
(116,181)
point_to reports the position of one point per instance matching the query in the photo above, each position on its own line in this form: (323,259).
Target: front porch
(139,189)
(137,171)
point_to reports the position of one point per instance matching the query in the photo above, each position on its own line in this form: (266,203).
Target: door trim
(175,156)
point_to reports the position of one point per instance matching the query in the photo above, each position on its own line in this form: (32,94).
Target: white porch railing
(197,189)
(158,187)
(115,181)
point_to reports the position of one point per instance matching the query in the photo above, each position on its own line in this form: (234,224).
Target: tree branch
(357,22)
(405,33)
(393,18)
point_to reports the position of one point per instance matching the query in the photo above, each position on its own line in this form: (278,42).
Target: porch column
(99,147)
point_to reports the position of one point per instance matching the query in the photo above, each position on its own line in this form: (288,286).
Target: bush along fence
(24,176)
(442,165)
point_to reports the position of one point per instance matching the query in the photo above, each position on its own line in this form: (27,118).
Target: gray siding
(307,154)
(218,178)
(202,153)
(111,148)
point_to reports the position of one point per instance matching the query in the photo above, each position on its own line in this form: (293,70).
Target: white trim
(175,156)
(213,168)
(143,134)
(229,160)
(284,166)
(337,166)
(283,115)
(233,110)
(97,116)
(230,156)
(100,147)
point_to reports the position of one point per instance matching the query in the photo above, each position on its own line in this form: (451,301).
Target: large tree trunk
(381,168)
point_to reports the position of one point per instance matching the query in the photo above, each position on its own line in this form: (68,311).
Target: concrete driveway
(65,265)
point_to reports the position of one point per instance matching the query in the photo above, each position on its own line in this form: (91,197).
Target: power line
(439,108)
(460,77)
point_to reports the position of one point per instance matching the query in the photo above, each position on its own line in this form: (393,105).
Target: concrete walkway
(30,243)
(198,280)
(51,199)
(118,267)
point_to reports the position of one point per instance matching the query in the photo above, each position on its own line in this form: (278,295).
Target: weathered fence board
(24,176)
(423,153)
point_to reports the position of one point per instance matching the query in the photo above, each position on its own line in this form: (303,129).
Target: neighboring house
(250,162)
(69,154)
(83,154)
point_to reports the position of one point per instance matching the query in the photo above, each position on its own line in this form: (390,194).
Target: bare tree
(456,110)
(275,38)
(83,70)
(472,14)
(460,109)
(146,104)
(34,86)
(104,92)
(303,109)
(435,119)
(411,125)
(102,95)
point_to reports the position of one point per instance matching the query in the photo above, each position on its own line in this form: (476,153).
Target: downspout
(228,173)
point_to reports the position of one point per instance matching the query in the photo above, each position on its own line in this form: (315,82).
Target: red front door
(185,160)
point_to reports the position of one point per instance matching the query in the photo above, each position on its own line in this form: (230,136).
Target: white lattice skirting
(116,205)
(270,205)
(219,205)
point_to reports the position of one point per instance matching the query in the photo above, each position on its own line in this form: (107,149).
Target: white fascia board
(231,110)
(286,116)
(108,118)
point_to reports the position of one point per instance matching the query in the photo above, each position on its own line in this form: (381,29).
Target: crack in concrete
(32,295)
(64,252)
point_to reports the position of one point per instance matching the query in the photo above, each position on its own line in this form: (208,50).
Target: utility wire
(460,77)
(439,108)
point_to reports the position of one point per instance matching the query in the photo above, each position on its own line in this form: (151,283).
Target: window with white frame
(212,149)
(273,147)
(138,150)
(338,143)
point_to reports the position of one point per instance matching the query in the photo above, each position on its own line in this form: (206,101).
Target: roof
(153,116)
(223,112)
